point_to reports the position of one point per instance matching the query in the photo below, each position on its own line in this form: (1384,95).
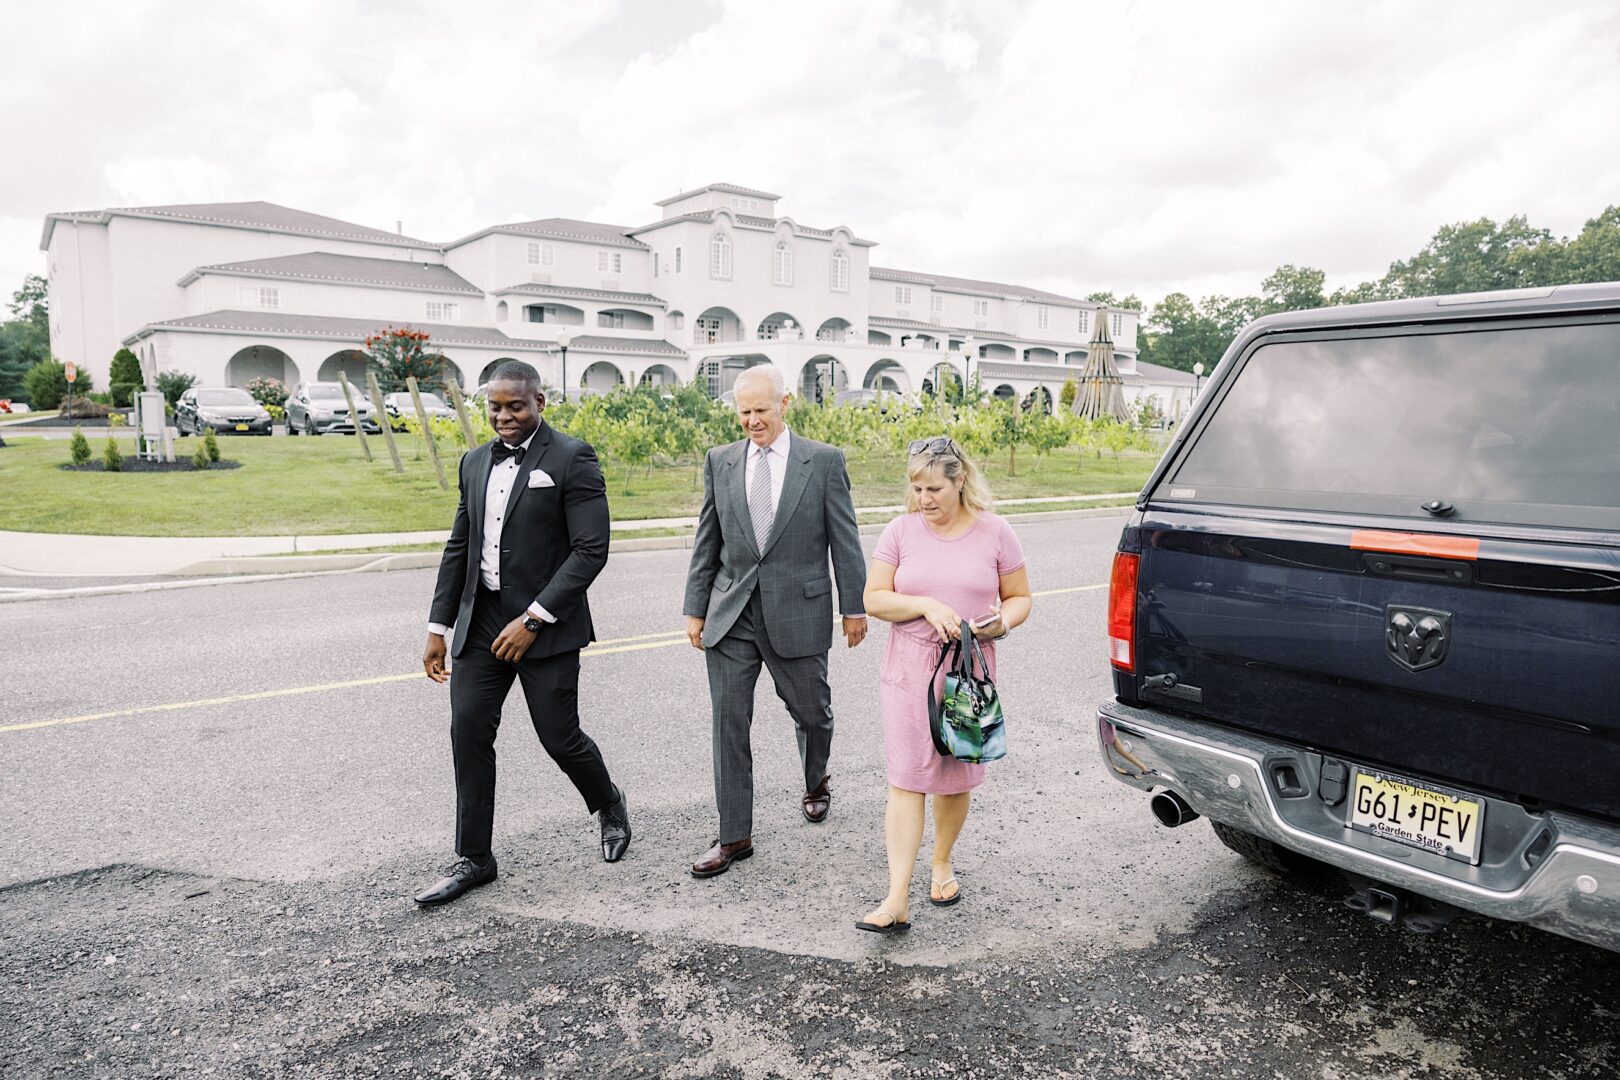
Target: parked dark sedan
(225,410)
(319,408)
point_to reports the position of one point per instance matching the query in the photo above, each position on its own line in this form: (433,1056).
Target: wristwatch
(532,624)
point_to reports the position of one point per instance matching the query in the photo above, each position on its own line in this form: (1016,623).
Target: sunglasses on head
(940,444)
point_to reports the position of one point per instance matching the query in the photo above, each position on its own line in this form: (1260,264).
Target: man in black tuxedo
(531,534)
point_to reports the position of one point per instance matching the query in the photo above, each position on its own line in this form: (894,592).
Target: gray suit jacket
(815,517)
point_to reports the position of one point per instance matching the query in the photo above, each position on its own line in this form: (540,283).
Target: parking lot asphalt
(218,800)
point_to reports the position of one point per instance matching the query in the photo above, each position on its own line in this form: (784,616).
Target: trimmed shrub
(47,384)
(111,459)
(124,378)
(79,448)
(270,393)
(173,383)
(210,446)
(201,458)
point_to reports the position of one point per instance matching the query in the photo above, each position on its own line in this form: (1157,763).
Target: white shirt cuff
(541,613)
(439,628)
(857,615)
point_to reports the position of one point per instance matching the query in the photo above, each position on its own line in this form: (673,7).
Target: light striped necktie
(759,497)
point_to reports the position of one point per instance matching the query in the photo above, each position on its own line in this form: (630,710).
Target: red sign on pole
(72,373)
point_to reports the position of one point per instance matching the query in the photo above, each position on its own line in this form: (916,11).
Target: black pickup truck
(1366,611)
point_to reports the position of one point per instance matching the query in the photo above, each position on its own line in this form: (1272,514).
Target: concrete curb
(247,569)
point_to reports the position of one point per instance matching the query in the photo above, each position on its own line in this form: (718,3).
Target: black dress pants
(479,684)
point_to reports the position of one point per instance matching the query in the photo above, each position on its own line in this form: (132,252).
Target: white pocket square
(541,478)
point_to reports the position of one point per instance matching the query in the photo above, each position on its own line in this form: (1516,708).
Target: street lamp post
(967,362)
(563,338)
(1198,374)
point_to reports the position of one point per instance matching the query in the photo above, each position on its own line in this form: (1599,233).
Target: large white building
(232,291)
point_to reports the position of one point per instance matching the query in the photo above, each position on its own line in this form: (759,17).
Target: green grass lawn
(314,486)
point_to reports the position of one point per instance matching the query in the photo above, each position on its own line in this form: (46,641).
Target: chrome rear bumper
(1570,885)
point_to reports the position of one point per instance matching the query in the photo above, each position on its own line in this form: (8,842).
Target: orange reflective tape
(1443,547)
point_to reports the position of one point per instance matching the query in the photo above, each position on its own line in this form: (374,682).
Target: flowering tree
(268,391)
(400,352)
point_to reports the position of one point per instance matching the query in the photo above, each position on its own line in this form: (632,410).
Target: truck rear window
(1518,425)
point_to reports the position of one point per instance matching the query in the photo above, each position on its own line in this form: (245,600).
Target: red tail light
(1122,611)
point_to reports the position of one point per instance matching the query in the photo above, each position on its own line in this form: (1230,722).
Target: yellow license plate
(1399,810)
(241,427)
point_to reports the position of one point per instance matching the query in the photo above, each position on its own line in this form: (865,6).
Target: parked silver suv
(319,408)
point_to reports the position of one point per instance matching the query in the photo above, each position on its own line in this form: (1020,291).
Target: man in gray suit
(759,593)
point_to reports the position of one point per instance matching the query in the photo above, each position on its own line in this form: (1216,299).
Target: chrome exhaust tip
(1171,809)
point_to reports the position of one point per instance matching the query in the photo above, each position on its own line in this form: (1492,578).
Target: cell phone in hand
(985,620)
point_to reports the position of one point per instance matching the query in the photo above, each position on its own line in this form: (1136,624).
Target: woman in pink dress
(947,560)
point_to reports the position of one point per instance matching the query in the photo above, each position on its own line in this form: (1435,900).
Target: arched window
(720,256)
(783,263)
(840,270)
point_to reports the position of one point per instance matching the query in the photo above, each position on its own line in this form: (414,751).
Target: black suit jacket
(554,541)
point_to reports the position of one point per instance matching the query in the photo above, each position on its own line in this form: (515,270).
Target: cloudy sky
(1133,146)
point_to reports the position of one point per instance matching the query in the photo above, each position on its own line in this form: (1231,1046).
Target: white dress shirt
(779,462)
(502,475)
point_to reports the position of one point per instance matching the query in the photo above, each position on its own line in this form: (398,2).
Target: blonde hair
(975,491)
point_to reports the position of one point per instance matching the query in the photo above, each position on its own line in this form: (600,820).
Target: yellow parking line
(601,648)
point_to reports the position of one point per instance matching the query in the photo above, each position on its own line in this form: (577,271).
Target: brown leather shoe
(718,859)
(818,802)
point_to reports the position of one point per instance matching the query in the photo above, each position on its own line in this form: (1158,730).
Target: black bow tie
(502,452)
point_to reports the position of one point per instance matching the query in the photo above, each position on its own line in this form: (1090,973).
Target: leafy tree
(47,384)
(400,353)
(124,378)
(1066,396)
(111,459)
(23,344)
(31,302)
(171,384)
(79,447)
(1594,255)
(1292,288)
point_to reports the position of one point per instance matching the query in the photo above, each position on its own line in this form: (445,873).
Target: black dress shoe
(462,877)
(615,828)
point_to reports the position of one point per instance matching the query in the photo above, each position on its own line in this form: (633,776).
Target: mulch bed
(135,464)
(64,422)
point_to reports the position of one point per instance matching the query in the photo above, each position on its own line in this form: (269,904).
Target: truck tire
(1262,852)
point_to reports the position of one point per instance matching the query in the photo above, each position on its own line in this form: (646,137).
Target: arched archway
(502,312)
(1038,399)
(352,362)
(715,326)
(822,377)
(1006,393)
(449,370)
(887,375)
(779,325)
(718,374)
(489,369)
(601,377)
(660,375)
(259,362)
(834,329)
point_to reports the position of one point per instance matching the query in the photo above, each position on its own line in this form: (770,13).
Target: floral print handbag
(967,723)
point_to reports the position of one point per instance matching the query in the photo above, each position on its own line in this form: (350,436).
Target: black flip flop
(896,927)
(941,885)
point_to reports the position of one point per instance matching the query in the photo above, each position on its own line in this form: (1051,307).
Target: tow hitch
(1397,907)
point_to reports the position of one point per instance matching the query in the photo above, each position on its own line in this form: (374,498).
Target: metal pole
(383,421)
(427,432)
(564,372)
(354,414)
